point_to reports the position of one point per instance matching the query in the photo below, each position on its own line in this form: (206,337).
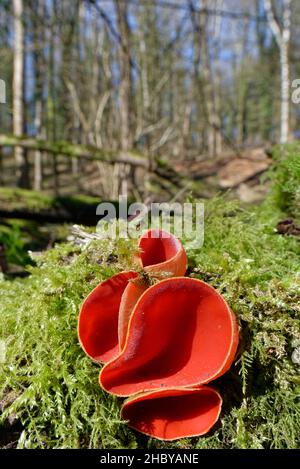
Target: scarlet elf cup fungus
(181,333)
(160,343)
(98,318)
(161,255)
(173,413)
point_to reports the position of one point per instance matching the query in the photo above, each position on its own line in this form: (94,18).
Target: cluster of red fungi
(160,344)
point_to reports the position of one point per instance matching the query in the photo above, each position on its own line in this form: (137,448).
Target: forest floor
(49,392)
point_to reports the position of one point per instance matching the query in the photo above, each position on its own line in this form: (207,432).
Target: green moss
(12,240)
(58,399)
(286,177)
(58,147)
(20,198)
(40,206)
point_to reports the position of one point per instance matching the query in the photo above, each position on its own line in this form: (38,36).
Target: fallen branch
(74,150)
(89,152)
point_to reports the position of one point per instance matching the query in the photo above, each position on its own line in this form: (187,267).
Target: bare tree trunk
(213,125)
(125,90)
(38,167)
(218,81)
(282,36)
(76,124)
(242,84)
(210,89)
(51,103)
(18,74)
(186,124)
(285,92)
(39,104)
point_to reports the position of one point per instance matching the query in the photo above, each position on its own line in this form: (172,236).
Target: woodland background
(137,81)
(159,100)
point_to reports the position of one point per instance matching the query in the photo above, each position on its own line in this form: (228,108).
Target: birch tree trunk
(18,74)
(285,72)
(282,36)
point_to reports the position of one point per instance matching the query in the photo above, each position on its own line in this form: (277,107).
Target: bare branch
(275,28)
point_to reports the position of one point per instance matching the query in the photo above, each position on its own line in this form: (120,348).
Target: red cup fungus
(173,413)
(160,343)
(98,318)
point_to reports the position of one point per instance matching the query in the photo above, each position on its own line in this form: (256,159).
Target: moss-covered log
(30,205)
(44,373)
(74,150)
(158,166)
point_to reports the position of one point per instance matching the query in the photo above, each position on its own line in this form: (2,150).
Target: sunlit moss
(286,178)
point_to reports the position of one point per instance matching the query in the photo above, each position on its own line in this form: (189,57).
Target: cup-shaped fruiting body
(99,316)
(181,333)
(162,254)
(160,343)
(134,290)
(173,413)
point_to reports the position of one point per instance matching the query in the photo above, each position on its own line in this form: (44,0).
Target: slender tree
(40,77)
(18,83)
(282,36)
(125,90)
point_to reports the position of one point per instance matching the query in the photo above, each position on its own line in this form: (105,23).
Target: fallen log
(158,166)
(73,150)
(230,169)
(31,205)
(240,170)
